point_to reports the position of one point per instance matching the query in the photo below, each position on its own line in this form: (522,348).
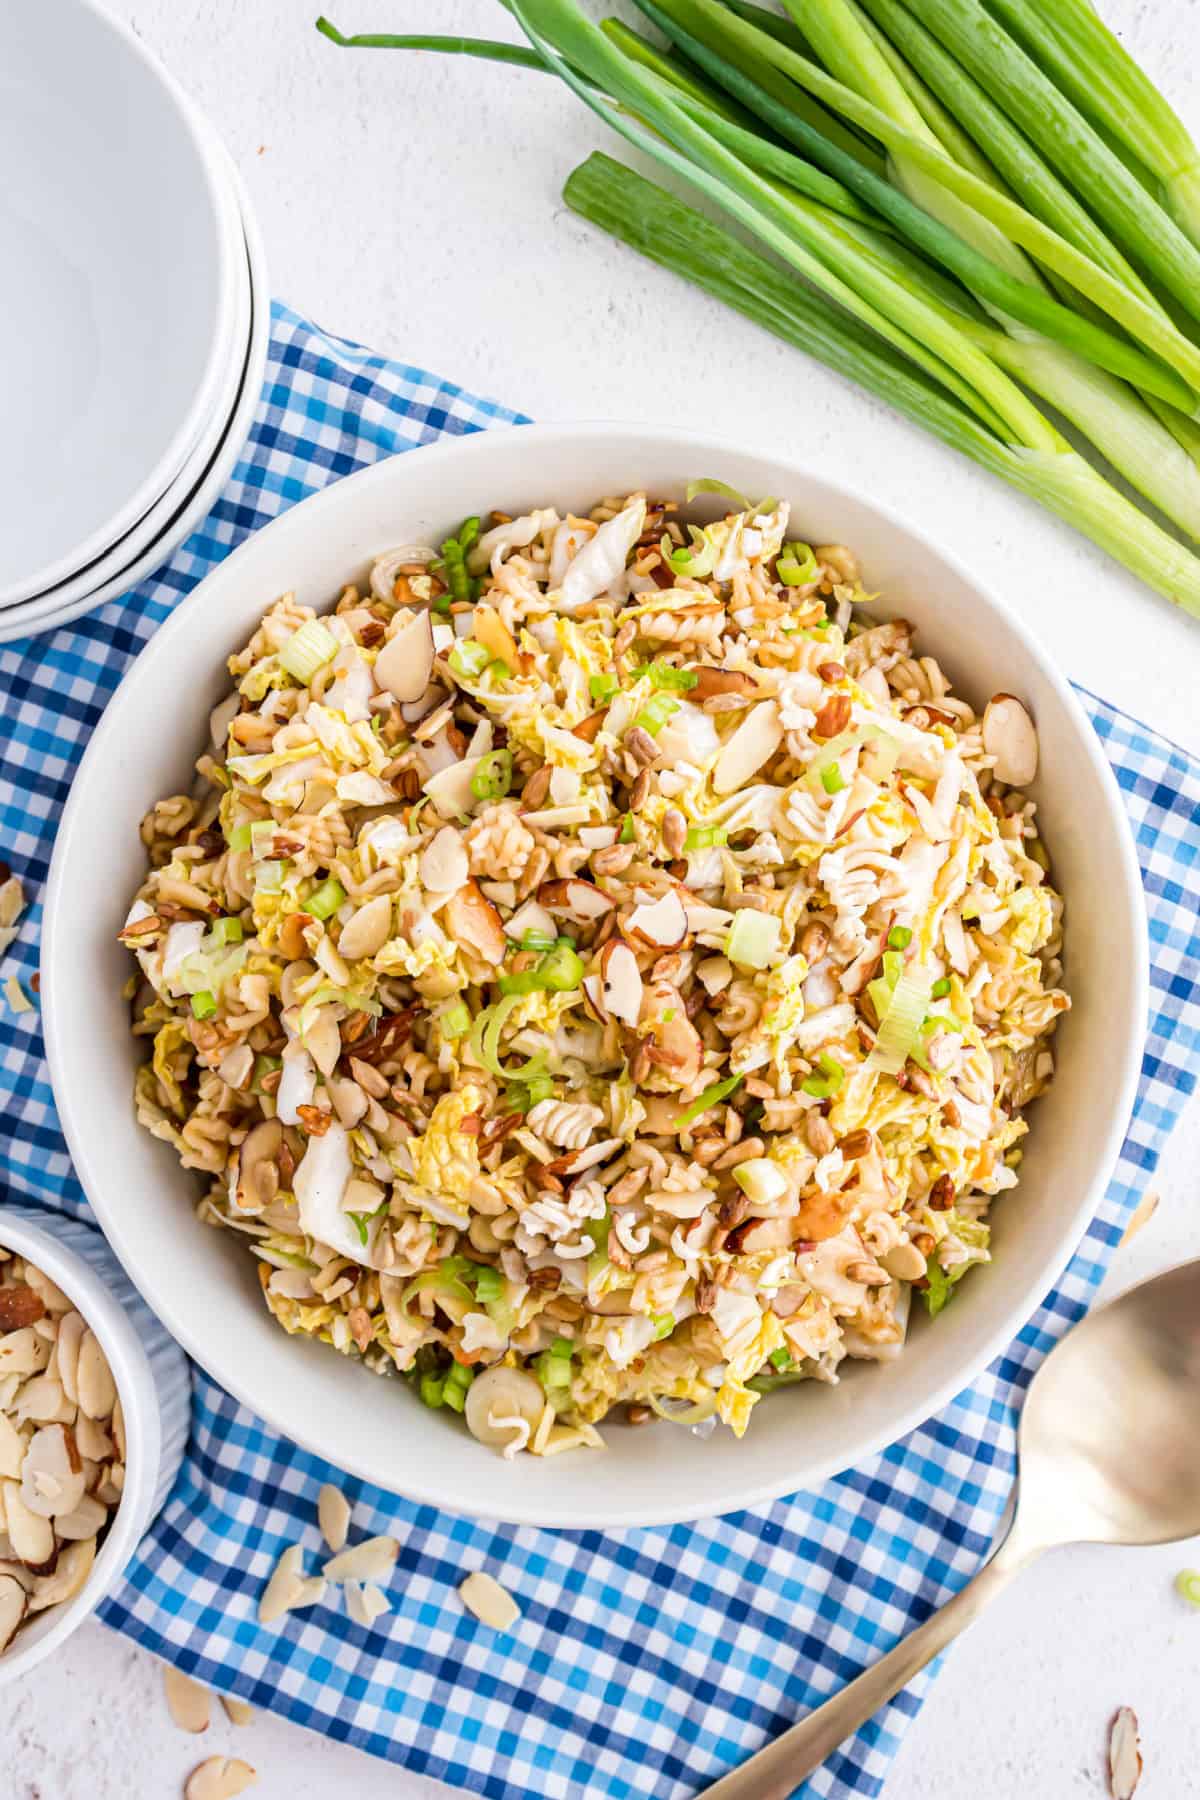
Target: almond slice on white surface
(189,1704)
(237,1711)
(492,1604)
(372,1560)
(333,1516)
(220,1778)
(1124,1755)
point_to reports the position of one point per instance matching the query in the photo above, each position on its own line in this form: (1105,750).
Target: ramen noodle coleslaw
(600,964)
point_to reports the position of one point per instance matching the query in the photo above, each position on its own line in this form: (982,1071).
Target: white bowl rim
(1126,899)
(33,1239)
(190,427)
(46,612)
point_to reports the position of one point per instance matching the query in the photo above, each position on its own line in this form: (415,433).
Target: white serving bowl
(152,1379)
(119,296)
(203,1282)
(192,494)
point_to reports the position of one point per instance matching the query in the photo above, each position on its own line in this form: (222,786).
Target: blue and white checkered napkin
(644,1662)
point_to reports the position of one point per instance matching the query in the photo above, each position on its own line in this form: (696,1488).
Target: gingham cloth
(644,1662)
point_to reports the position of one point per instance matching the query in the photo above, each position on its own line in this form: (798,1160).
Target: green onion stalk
(958,223)
(903,270)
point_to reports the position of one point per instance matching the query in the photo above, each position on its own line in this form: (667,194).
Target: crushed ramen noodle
(600,964)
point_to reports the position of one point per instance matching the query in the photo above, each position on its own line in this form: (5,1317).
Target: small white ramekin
(153,1382)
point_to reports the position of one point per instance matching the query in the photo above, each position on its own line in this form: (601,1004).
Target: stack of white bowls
(134,314)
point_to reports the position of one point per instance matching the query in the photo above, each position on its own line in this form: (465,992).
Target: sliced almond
(12,1449)
(405,664)
(284,1588)
(492,1604)
(41,1399)
(711,682)
(663,923)
(368,930)
(14,1603)
(52,1296)
(91,1439)
(443,865)
(1146,1208)
(97,1391)
(20,1305)
(372,1560)
(237,1710)
(621,978)
(220,1778)
(86,1521)
(753,743)
(473,922)
(323,1039)
(1124,1755)
(375,1603)
(333,1516)
(189,1704)
(52,1477)
(574,899)
(23,1352)
(1010,738)
(258,1172)
(31,1535)
(593,996)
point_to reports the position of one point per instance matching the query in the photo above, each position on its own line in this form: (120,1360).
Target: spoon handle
(777,1770)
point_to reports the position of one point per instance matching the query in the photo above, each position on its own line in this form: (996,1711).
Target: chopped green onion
(498,670)
(796,565)
(324,901)
(1187,1586)
(708,484)
(666,675)
(519,1096)
(433,1391)
(454,1020)
(832,779)
(561,969)
(226,931)
(554,1372)
(468,659)
(829,1081)
(454,1395)
(441,603)
(602,687)
(664,1325)
(781,1359)
(468,533)
(753,938)
(698,561)
(485,1041)
(308,650)
(939,1289)
(362,1223)
(705,837)
(537,940)
(625,836)
(760,1178)
(204,1005)
(238,838)
(899,937)
(654,715)
(712,1096)
(901,1001)
(264,1065)
(940,988)
(563,1346)
(489,1283)
(493,775)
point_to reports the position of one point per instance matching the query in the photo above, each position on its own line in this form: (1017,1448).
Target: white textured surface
(413,204)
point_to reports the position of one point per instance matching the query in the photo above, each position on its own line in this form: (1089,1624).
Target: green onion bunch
(985,214)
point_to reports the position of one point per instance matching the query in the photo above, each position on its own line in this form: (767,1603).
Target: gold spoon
(1109,1454)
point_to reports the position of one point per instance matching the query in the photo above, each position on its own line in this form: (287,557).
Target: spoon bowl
(1109,1454)
(1110,1451)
